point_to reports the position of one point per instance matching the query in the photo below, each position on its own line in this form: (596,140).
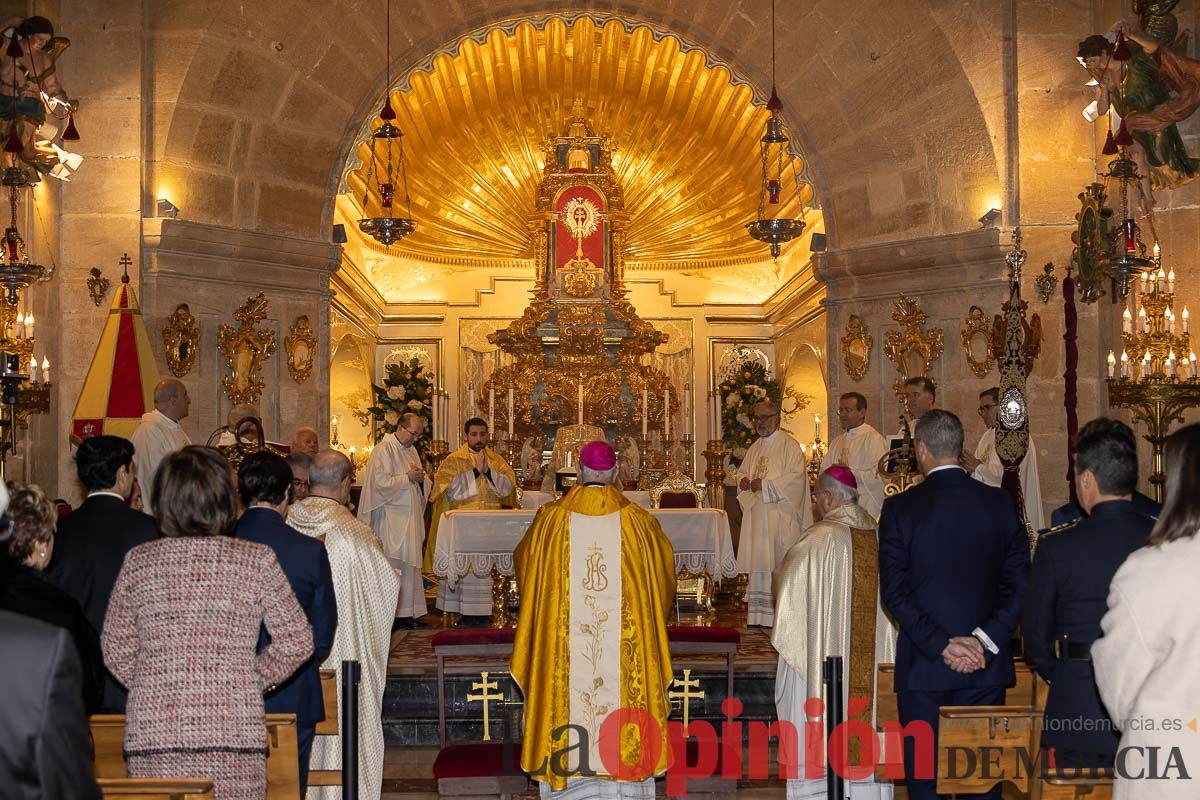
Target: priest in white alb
(159,434)
(395,489)
(597,578)
(827,604)
(365,588)
(773,492)
(985,464)
(473,476)
(859,447)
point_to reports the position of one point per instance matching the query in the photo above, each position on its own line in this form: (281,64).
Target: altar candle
(33,373)
(45,370)
(645,412)
(1124,364)
(510,412)
(492,408)
(1146,365)
(720,418)
(333,424)
(1171,281)
(1112,363)
(817,424)
(580,399)
(687,408)
(1127,322)
(667,414)
(470,400)
(1187,326)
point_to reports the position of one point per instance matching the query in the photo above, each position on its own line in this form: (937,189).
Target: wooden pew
(156,788)
(283,774)
(1062,788)
(327,727)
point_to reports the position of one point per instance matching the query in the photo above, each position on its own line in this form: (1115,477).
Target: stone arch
(256,122)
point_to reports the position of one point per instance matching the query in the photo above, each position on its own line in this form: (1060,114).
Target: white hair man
(774,494)
(159,434)
(365,589)
(305,441)
(593,561)
(827,604)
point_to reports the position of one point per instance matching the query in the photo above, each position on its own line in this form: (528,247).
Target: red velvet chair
(676,491)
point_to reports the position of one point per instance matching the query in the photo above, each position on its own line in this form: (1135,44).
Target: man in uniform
(859,447)
(597,578)
(985,464)
(773,492)
(473,476)
(1068,592)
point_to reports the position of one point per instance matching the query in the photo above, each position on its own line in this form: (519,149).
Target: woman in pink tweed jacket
(182,629)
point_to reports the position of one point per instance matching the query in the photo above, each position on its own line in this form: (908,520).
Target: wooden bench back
(156,788)
(327,727)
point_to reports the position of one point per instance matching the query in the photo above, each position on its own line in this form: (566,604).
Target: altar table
(476,541)
(533,500)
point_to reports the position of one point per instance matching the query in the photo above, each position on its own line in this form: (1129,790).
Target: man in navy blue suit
(265,483)
(953,558)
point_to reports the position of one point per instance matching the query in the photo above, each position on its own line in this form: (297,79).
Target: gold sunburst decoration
(581,217)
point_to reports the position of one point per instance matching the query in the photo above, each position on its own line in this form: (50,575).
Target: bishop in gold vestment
(473,476)
(597,576)
(827,604)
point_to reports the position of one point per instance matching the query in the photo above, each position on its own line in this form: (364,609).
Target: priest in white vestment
(827,604)
(395,489)
(365,588)
(159,434)
(985,465)
(859,447)
(773,492)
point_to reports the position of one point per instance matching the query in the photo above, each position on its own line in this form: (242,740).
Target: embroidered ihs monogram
(596,580)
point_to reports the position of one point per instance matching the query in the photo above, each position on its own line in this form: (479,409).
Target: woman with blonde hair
(1146,662)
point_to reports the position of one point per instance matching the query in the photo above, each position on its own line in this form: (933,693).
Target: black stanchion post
(835,784)
(351,674)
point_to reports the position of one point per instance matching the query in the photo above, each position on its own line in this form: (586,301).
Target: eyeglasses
(764,417)
(411,433)
(985,409)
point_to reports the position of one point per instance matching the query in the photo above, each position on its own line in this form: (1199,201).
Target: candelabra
(438,450)
(816,452)
(1153,383)
(714,473)
(898,466)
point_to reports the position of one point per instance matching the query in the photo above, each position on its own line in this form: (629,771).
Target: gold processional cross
(684,694)
(484,687)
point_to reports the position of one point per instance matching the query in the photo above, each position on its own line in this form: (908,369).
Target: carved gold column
(714,473)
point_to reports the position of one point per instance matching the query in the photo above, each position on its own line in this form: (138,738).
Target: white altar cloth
(472,540)
(533,500)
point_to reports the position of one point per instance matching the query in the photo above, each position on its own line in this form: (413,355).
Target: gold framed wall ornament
(856,348)
(181,338)
(300,345)
(976,340)
(245,349)
(913,349)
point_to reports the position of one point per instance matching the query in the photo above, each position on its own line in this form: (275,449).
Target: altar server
(597,577)
(774,494)
(473,476)
(827,604)
(158,434)
(859,447)
(395,489)
(985,464)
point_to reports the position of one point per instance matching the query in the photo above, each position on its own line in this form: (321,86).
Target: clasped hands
(751,485)
(416,474)
(964,654)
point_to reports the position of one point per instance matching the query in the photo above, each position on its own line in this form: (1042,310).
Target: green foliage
(748,385)
(406,388)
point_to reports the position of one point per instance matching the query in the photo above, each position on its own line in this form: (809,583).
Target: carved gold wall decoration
(856,348)
(913,349)
(97,285)
(245,350)
(181,337)
(976,340)
(300,344)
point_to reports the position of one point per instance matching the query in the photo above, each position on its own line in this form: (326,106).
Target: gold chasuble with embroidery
(456,486)
(597,578)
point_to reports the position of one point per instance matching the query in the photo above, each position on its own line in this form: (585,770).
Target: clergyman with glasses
(985,464)
(395,490)
(773,492)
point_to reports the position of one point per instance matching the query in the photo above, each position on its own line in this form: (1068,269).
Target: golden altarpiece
(579,355)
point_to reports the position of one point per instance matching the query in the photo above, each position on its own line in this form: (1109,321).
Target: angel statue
(30,88)
(531,459)
(1147,78)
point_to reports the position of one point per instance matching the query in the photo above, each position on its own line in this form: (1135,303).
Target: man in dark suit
(1068,593)
(45,744)
(265,484)
(953,558)
(91,542)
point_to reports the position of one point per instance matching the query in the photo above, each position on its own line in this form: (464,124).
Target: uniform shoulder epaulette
(1066,526)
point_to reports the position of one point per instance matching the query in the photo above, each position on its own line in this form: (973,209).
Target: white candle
(491,408)
(1145,278)
(1127,322)
(29,326)
(46,370)
(33,369)
(1143,324)
(20,326)
(1171,281)
(510,412)
(1171,364)
(1162,278)
(720,416)
(333,425)
(470,400)
(1192,361)
(687,408)
(667,414)
(1124,364)
(645,412)
(1146,365)
(1112,363)
(580,399)
(1187,325)
(1168,319)
(817,424)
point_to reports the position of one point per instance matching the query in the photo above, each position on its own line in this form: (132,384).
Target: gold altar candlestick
(438,450)
(714,473)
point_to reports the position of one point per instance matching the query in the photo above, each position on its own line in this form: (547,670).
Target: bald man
(159,434)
